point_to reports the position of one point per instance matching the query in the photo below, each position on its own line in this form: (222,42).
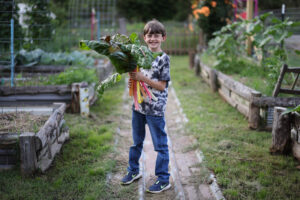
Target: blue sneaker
(130,177)
(158,187)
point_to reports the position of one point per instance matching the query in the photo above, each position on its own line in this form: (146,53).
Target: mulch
(21,122)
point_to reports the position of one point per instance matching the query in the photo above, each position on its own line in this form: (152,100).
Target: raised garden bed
(251,103)
(39,139)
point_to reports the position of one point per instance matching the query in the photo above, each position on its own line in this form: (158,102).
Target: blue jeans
(160,141)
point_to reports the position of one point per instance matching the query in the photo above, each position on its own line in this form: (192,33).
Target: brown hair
(154,27)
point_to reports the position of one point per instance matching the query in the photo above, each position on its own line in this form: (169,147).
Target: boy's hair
(154,27)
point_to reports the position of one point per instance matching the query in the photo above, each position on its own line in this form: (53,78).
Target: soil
(21,122)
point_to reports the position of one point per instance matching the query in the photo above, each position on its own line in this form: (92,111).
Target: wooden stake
(254,112)
(281,132)
(249,17)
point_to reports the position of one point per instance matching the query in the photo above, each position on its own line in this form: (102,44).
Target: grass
(248,73)
(239,157)
(251,74)
(80,170)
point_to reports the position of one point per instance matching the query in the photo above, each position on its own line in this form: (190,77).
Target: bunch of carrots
(139,91)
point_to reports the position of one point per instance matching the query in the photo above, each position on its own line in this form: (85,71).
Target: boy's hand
(138,76)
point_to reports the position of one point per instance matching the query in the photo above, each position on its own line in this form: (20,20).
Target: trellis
(93,18)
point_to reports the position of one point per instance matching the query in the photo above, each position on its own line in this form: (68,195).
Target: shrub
(212,15)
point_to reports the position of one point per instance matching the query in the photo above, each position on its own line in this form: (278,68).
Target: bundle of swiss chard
(127,55)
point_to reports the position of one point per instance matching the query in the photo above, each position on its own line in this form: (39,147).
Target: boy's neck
(156,50)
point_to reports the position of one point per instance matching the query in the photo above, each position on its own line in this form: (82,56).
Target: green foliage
(6,15)
(296,109)
(73,75)
(216,18)
(125,53)
(38,56)
(144,10)
(40,24)
(245,168)
(268,34)
(107,83)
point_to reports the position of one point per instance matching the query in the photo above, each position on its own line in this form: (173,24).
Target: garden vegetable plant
(127,55)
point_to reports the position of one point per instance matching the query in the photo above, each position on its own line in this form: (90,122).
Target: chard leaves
(108,83)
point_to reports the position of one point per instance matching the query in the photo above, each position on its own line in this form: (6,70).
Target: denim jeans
(160,141)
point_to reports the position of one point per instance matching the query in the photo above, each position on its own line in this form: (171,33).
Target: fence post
(192,58)
(213,80)
(28,153)
(98,26)
(12,52)
(281,132)
(254,112)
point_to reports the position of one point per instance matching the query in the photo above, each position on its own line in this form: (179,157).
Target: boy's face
(154,41)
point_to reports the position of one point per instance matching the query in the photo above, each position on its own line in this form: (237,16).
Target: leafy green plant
(125,53)
(212,15)
(38,56)
(72,75)
(268,39)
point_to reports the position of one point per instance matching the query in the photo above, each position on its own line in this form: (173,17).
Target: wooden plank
(45,162)
(235,86)
(8,138)
(293,69)
(289,91)
(28,153)
(276,101)
(58,89)
(254,112)
(281,132)
(239,106)
(36,69)
(34,100)
(279,81)
(296,150)
(53,121)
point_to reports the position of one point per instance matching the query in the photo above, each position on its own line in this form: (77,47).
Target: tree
(144,10)
(40,26)
(10,11)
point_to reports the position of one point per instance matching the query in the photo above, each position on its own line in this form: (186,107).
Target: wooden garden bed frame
(254,106)
(246,100)
(38,150)
(46,95)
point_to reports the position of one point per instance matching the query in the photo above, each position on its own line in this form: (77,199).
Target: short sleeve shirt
(160,71)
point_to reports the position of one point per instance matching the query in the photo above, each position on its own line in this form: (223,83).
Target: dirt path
(189,178)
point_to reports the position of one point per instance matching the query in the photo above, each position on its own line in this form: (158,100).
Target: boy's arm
(138,76)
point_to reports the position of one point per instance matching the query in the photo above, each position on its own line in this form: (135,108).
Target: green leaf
(134,38)
(108,83)
(296,109)
(297,52)
(265,41)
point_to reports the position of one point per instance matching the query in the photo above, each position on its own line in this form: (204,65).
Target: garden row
(258,109)
(36,150)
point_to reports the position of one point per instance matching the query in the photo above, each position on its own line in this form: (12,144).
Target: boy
(152,112)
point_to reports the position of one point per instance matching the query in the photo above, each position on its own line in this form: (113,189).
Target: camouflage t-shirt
(160,71)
